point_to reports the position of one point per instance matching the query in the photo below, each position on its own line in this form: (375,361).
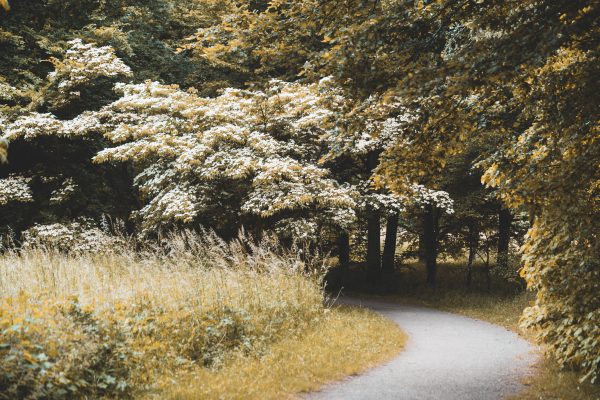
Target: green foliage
(55,349)
(422,99)
(518,78)
(60,59)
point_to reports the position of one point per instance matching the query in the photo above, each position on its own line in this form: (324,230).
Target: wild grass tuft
(346,341)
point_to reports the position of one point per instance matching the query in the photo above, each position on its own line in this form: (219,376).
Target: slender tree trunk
(430,243)
(373,230)
(505,219)
(389,248)
(473,240)
(344,250)
(373,246)
(421,249)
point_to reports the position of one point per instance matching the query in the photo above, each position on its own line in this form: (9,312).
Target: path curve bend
(447,357)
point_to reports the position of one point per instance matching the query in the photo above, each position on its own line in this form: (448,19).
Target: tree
(60,60)
(50,171)
(520,74)
(220,162)
(504,232)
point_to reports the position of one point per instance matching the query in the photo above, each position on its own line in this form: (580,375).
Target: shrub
(56,349)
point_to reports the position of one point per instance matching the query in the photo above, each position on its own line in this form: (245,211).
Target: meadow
(195,317)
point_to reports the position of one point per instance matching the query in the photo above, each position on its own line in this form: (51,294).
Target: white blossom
(79,236)
(423,196)
(84,62)
(15,189)
(186,147)
(64,192)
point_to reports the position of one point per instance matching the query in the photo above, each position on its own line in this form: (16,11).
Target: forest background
(465,128)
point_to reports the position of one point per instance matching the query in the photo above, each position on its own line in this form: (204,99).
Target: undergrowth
(344,342)
(121,323)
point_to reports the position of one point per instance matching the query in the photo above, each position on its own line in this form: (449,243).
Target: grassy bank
(501,305)
(345,342)
(125,324)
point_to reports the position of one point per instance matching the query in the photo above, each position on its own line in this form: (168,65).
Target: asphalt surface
(447,357)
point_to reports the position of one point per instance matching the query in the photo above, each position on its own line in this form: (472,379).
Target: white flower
(15,189)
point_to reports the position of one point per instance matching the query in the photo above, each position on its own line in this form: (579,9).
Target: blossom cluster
(193,152)
(382,121)
(423,196)
(15,189)
(64,192)
(33,125)
(82,65)
(85,62)
(384,202)
(79,236)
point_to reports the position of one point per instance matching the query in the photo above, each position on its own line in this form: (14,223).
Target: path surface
(447,357)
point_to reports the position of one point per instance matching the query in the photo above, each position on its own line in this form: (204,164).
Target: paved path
(447,357)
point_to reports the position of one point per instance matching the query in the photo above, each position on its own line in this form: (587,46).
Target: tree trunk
(473,240)
(373,230)
(421,249)
(373,246)
(389,248)
(504,223)
(430,243)
(344,250)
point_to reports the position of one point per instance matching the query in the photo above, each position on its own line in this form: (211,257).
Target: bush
(562,264)
(57,350)
(78,237)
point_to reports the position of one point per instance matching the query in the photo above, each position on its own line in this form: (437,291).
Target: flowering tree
(368,128)
(50,173)
(245,155)
(517,77)
(60,60)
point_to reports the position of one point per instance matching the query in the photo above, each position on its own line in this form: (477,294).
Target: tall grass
(122,322)
(208,275)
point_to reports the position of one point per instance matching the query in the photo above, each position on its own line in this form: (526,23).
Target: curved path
(447,357)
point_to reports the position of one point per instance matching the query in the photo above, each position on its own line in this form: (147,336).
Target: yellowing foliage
(344,342)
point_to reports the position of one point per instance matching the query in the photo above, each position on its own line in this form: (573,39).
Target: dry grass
(134,324)
(345,342)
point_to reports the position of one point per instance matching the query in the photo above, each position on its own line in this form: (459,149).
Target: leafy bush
(562,264)
(56,349)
